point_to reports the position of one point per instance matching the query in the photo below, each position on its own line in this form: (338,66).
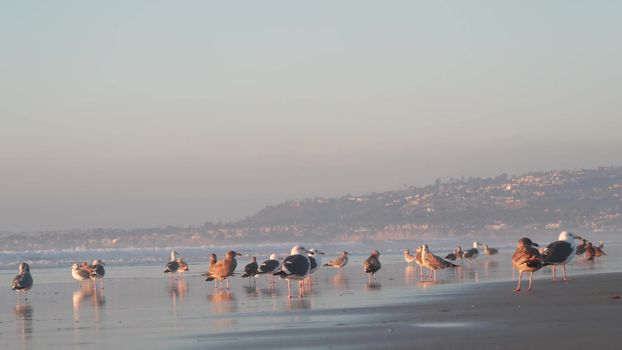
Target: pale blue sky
(146,113)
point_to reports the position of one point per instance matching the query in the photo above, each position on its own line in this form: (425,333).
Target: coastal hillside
(585,199)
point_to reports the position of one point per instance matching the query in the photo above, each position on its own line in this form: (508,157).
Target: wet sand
(585,313)
(474,307)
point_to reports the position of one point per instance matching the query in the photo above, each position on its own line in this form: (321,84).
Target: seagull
(250,270)
(172,266)
(581,247)
(98,271)
(295,267)
(526,258)
(372,264)
(459,253)
(183,265)
(269,266)
(409,258)
(315,260)
(451,256)
(473,252)
(79,273)
(222,269)
(601,244)
(419,259)
(599,251)
(560,252)
(212,260)
(340,261)
(590,251)
(490,251)
(23,281)
(433,262)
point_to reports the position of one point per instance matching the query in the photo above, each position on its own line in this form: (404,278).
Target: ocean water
(159,256)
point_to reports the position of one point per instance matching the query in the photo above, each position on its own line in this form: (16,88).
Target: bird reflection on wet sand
(410,275)
(373,286)
(298,303)
(340,280)
(23,318)
(222,302)
(177,289)
(88,292)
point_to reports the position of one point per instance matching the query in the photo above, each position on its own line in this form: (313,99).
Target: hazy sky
(148,113)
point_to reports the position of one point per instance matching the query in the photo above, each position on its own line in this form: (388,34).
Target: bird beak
(578,237)
(239,254)
(320,252)
(535,244)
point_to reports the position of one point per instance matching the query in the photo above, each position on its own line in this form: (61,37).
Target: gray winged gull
(526,258)
(561,252)
(296,267)
(340,261)
(315,259)
(23,281)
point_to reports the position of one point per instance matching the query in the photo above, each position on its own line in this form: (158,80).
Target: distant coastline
(584,200)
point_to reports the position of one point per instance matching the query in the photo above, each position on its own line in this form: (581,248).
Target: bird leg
(301,290)
(530,280)
(554,268)
(520,275)
(564,269)
(227,284)
(289,288)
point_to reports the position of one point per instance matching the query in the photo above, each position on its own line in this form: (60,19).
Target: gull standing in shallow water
(340,261)
(183,265)
(223,269)
(315,260)
(250,270)
(372,265)
(590,251)
(172,266)
(295,267)
(490,251)
(98,271)
(473,252)
(526,257)
(79,273)
(23,281)
(433,262)
(561,252)
(408,257)
(269,267)
(419,259)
